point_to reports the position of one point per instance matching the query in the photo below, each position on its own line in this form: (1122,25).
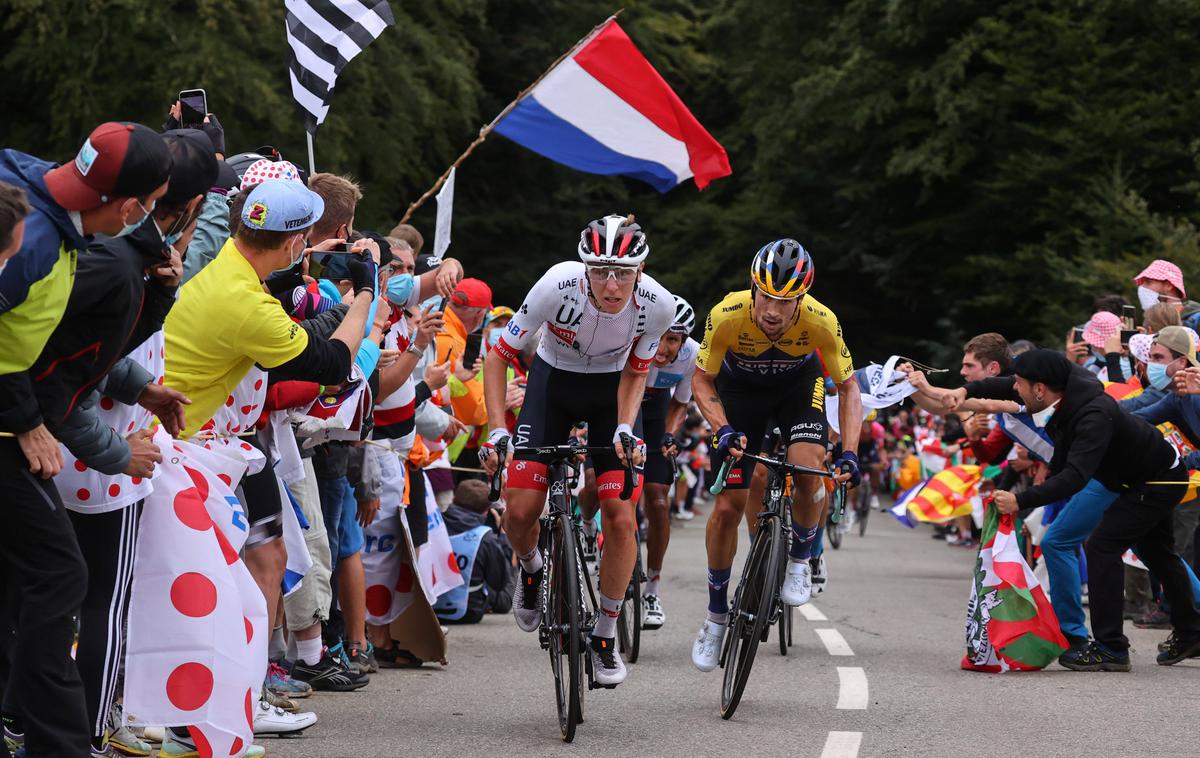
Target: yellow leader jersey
(738,349)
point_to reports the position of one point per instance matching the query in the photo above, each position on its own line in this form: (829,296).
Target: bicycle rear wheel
(750,614)
(566,638)
(629,625)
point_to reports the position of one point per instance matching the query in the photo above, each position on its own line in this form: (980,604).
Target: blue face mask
(1157,374)
(494,337)
(399,289)
(131,228)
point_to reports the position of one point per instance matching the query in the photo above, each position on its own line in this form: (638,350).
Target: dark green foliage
(954,166)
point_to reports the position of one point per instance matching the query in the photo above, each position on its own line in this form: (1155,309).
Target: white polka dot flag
(197,623)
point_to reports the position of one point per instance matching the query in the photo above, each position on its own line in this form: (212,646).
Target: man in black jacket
(491,581)
(124,287)
(1095,439)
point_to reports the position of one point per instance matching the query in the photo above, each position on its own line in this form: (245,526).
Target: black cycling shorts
(263,501)
(798,409)
(555,400)
(652,425)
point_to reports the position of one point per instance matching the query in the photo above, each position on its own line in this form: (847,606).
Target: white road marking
(810,613)
(852,688)
(834,642)
(842,745)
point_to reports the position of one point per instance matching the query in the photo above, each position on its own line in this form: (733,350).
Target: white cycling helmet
(685,317)
(613,241)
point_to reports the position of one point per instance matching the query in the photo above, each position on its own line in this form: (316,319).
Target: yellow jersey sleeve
(268,336)
(835,356)
(715,342)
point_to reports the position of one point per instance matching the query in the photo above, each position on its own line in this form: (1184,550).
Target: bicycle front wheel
(566,638)
(750,614)
(629,625)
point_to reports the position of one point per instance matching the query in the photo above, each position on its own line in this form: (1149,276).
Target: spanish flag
(946,495)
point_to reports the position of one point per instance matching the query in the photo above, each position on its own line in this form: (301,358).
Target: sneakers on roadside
(281,683)
(1156,619)
(1094,657)
(176,746)
(1176,649)
(121,738)
(280,702)
(797,583)
(527,606)
(706,650)
(653,614)
(271,720)
(329,675)
(608,670)
(361,659)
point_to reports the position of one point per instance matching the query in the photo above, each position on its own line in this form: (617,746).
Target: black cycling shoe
(1176,649)
(330,675)
(1093,657)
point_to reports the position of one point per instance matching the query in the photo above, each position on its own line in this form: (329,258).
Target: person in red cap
(465,311)
(110,187)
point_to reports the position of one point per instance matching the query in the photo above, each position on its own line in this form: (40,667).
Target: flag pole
(486,130)
(312,164)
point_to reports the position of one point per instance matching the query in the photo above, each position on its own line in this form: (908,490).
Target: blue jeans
(1060,550)
(340,510)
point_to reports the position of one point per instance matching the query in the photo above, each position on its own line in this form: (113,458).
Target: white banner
(445,213)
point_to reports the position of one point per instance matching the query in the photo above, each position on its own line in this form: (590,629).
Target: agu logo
(256,215)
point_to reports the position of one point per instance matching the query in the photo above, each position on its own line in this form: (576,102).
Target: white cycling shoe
(797,584)
(653,614)
(608,670)
(528,619)
(706,650)
(271,720)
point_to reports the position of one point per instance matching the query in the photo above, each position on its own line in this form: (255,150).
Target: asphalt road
(875,674)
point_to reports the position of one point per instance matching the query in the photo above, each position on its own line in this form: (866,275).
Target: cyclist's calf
(523,509)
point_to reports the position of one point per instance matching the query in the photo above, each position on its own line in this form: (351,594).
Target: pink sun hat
(1162,271)
(1100,327)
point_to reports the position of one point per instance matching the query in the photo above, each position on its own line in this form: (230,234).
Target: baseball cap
(118,159)
(263,169)
(1100,327)
(472,293)
(1177,338)
(279,205)
(500,311)
(1162,271)
(193,165)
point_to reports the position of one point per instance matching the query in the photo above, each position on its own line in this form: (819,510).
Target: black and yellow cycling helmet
(782,269)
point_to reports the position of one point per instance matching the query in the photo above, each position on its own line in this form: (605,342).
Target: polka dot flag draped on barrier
(197,621)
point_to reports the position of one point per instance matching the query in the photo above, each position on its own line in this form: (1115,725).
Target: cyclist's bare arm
(629,394)
(495,388)
(704,392)
(850,412)
(676,413)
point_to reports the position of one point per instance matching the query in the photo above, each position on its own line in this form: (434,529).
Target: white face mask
(1042,417)
(1149,298)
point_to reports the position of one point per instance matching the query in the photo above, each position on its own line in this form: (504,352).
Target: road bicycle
(756,601)
(568,598)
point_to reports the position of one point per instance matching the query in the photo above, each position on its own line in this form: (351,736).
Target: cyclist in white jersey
(600,322)
(668,390)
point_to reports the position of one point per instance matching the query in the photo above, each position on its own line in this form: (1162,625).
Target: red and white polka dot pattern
(85,490)
(239,415)
(197,632)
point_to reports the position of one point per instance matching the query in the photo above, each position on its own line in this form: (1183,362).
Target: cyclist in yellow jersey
(763,362)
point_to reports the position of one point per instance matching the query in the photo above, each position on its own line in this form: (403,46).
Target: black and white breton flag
(324,35)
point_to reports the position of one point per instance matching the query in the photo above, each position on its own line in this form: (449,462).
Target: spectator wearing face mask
(110,187)
(1162,282)
(485,557)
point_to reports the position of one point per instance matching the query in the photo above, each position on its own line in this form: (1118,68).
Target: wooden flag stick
(486,130)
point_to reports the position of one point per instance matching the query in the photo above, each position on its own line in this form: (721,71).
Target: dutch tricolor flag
(605,110)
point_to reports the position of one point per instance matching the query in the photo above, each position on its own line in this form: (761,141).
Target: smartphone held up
(193,107)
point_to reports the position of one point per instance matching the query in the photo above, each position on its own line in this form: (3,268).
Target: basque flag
(605,110)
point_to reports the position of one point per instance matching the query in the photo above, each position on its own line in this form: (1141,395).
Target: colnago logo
(557,488)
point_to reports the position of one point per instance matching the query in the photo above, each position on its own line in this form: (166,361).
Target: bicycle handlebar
(560,452)
(719,485)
